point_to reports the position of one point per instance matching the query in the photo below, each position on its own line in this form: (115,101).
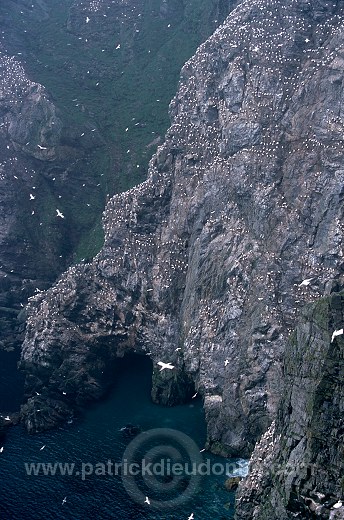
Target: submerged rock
(231,484)
(131,430)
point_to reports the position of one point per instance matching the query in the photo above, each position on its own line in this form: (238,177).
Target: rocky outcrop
(204,264)
(296,470)
(29,131)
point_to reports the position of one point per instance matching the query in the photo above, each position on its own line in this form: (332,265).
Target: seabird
(1,449)
(42,448)
(193,397)
(306,282)
(64,500)
(226,362)
(337,505)
(147,501)
(32,197)
(42,147)
(165,365)
(191,517)
(338,332)
(87,19)
(59,214)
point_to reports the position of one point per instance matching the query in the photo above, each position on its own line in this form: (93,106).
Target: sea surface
(94,441)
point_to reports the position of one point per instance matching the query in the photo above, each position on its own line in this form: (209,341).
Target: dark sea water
(11,382)
(92,441)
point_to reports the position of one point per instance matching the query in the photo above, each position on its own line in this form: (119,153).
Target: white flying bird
(88,19)
(147,501)
(32,197)
(338,332)
(165,365)
(64,500)
(42,147)
(191,517)
(42,448)
(59,214)
(306,282)
(1,449)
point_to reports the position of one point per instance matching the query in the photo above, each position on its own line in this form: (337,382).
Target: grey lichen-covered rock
(203,263)
(297,469)
(34,126)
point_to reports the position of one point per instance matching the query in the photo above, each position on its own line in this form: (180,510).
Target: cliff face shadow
(129,405)
(136,368)
(164,387)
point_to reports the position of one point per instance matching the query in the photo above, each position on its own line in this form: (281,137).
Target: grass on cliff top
(95,85)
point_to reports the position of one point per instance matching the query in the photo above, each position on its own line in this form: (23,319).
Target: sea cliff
(208,263)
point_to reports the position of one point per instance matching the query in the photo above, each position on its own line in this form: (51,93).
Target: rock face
(297,469)
(29,132)
(203,263)
(70,153)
